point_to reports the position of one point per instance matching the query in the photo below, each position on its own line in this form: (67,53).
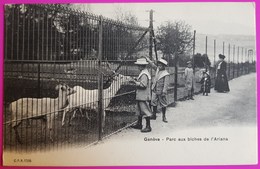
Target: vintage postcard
(130,84)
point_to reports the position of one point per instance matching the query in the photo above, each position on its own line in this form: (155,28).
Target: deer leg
(87,116)
(73,116)
(45,123)
(63,118)
(103,120)
(17,136)
(80,110)
(50,119)
(86,113)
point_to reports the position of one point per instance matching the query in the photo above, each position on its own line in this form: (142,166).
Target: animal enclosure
(48,45)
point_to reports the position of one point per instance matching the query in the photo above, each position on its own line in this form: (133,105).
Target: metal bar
(215,58)
(155,45)
(23,37)
(193,49)
(100,80)
(33,53)
(5,57)
(176,77)
(151,35)
(12,40)
(234,50)
(130,52)
(223,52)
(238,68)
(18,34)
(229,61)
(206,45)
(248,65)
(47,37)
(206,52)
(242,61)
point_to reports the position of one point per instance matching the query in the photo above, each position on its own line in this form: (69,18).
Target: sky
(207,18)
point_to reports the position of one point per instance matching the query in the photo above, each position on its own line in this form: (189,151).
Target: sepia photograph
(130,84)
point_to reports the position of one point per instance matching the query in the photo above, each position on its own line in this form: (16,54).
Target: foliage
(57,32)
(174,39)
(126,17)
(201,60)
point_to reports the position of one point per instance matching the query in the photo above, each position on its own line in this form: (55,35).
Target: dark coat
(205,84)
(221,83)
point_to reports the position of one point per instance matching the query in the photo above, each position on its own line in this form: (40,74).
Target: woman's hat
(163,62)
(221,56)
(189,62)
(141,61)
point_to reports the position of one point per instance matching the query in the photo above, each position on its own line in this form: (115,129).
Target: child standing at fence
(189,80)
(143,95)
(159,87)
(205,83)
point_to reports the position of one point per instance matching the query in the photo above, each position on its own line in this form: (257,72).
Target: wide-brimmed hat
(221,56)
(141,61)
(163,62)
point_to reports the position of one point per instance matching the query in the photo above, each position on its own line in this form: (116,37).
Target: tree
(126,17)
(174,38)
(59,32)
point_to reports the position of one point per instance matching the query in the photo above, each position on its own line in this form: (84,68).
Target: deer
(39,108)
(88,99)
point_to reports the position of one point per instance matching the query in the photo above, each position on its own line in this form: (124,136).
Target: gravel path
(218,129)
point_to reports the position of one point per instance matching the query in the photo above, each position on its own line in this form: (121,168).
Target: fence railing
(46,45)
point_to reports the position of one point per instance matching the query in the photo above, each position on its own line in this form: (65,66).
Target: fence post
(229,61)
(151,35)
(206,47)
(248,65)
(214,59)
(151,39)
(100,80)
(234,51)
(206,52)
(238,61)
(223,52)
(176,76)
(242,61)
(193,64)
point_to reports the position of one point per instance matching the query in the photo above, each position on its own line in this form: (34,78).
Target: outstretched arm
(151,63)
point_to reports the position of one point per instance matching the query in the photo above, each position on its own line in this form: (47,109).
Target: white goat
(88,99)
(42,108)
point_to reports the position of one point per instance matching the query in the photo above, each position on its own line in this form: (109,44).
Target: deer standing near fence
(39,108)
(88,99)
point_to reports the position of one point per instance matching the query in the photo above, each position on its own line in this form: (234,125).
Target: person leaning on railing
(159,87)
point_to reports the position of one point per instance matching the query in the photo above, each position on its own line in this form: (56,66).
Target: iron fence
(47,45)
(50,44)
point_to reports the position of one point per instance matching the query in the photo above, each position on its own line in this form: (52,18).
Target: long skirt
(221,83)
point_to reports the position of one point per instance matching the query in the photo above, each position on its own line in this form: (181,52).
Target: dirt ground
(219,129)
